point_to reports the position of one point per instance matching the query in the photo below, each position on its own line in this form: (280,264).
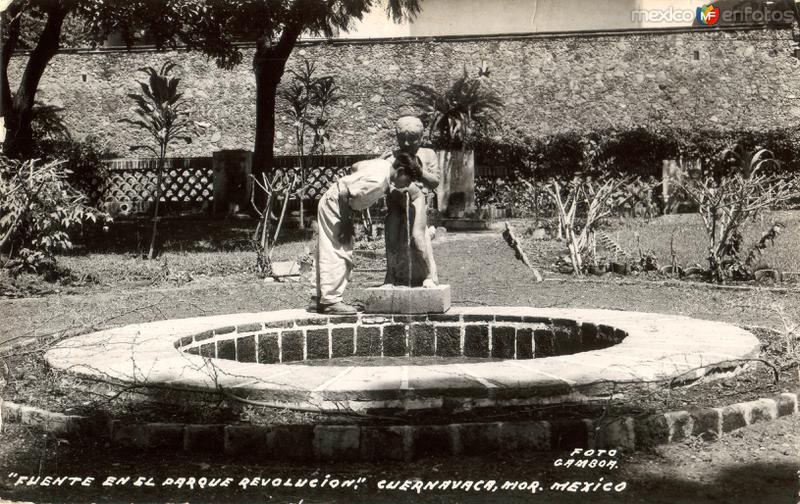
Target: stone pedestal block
(407,300)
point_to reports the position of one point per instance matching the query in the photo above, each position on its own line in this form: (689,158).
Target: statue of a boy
(407,210)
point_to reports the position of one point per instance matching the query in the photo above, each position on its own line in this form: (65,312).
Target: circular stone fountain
(467,357)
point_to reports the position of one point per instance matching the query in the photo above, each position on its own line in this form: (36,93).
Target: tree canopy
(214,27)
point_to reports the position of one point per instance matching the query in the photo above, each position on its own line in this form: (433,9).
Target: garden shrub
(613,152)
(84,162)
(637,151)
(522,195)
(725,205)
(38,209)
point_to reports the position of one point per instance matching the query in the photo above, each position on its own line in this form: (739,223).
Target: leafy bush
(84,161)
(725,204)
(523,195)
(38,208)
(490,191)
(637,151)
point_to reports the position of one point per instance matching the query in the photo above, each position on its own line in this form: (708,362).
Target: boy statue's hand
(413,191)
(416,170)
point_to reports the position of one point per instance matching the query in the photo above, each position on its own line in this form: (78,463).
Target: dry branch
(511,239)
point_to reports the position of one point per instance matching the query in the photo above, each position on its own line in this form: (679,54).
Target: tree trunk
(19,112)
(266,93)
(269,63)
(11,16)
(159,180)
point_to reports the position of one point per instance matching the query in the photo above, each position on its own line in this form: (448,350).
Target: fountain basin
(517,356)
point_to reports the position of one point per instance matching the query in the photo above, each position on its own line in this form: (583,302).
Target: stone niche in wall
(232,181)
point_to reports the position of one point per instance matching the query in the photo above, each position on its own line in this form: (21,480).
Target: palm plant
(161,113)
(748,162)
(454,114)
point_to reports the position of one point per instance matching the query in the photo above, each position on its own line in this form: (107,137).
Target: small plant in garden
(725,204)
(581,205)
(648,261)
(611,245)
(162,114)
(641,203)
(790,333)
(309,98)
(38,208)
(282,186)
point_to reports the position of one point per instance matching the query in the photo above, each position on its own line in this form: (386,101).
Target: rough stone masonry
(691,79)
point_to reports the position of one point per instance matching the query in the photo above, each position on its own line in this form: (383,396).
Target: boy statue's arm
(430,168)
(420,240)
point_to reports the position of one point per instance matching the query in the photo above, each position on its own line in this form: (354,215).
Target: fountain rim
(658,347)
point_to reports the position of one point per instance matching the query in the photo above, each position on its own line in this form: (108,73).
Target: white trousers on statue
(334,259)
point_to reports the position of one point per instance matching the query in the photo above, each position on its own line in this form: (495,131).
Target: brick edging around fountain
(369,443)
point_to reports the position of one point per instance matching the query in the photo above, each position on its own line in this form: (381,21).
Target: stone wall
(691,79)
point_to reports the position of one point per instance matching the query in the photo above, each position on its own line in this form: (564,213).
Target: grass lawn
(686,233)
(117,259)
(691,242)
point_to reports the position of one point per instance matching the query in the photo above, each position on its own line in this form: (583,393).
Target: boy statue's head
(409,131)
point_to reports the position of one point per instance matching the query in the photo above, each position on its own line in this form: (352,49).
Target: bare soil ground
(756,465)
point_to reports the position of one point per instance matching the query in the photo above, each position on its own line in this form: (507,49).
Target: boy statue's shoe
(337,309)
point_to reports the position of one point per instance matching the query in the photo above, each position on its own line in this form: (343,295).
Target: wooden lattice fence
(128,185)
(321,171)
